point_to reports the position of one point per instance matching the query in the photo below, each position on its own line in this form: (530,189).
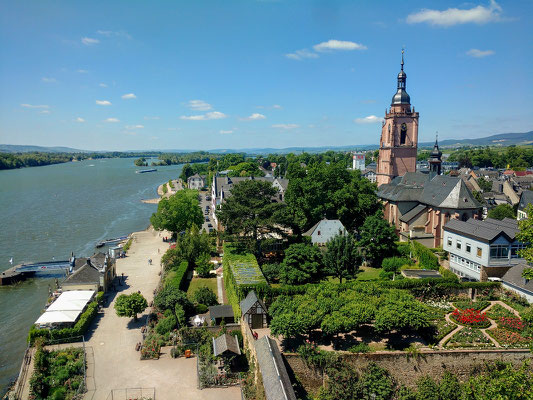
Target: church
(417,204)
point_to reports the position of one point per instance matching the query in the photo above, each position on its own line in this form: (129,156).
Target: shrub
(360,348)
(127,245)
(404,249)
(271,272)
(179,280)
(425,256)
(393,264)
(203,265)
(527,314)
(166,325)
(201,309)
(204,295)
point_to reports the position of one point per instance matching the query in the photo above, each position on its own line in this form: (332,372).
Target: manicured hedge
(425,256)
(78,329)
(180,279)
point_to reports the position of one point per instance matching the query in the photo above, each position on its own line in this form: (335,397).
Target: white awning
(67,307)
(55,317)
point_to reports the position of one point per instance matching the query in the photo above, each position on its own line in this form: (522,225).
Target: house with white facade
(526,198)
(325,230)
(480,250)
(196,182)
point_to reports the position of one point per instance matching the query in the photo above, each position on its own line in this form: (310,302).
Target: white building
(526,198)
(325,230)
(196,182)
(358,161)
(482,249)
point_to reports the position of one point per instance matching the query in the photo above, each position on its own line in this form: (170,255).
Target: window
(403,134)
(458,245)
(499,251)
(479,252)
(468,247)
(515,250)
(449,241)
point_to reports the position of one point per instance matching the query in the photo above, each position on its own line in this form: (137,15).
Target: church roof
(442,191)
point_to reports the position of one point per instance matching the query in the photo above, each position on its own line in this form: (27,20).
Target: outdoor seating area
(66,309)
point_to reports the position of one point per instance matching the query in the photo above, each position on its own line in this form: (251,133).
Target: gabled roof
(87,274)
(249,302)
(327,226)
(226,344)
(196,176)
(514,277)
(275,377)
(284,183)
(485,231)
(408,216)
(525,199)
(224,311)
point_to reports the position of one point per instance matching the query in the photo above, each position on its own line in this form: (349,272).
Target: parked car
(207,198)
(206,219)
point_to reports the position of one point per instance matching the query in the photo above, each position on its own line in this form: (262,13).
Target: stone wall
(407,370)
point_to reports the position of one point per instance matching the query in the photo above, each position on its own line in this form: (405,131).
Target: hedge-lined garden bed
(469,337)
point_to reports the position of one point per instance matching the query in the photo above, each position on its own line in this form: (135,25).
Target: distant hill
(502,139)
(15,148)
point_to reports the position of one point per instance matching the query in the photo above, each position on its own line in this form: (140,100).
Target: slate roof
(249,301)
(441,191)
(485,231)
(226,343)
(514,277)
(275,377)
(225,183)
(87,274)
(408,216)
(98,260)
(284,183)
(525,199)
(328,226)
(224,311)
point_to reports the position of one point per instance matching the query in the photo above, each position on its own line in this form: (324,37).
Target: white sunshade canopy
(67,307)
(55,317)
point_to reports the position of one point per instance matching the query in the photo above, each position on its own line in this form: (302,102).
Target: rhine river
(49,212)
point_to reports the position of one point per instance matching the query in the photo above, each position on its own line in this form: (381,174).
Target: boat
(111,241)
(142,171)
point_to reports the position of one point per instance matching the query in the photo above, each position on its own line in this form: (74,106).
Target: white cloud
(225,132)
(83,71)
(89,41)
(129,96)
(103,102)
(199,105)
(455,16)
(277,106)
(206,116)
(301,54)
(134,126)
(479,53)
(338,45)
(112,120)
(371,119)
(254,117)
(102,85)
(25,105)
(285,126)
(114,33)
(49,80)
(44,112)
(149,117)
(79,119)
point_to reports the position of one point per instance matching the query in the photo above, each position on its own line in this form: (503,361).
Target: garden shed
(226,345)
(254,311)
(219,313)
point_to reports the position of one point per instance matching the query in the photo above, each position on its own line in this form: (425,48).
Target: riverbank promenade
(113,363)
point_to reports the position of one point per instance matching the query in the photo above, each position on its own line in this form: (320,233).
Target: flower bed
(469,337)
(512,324)
(466,304)
(150,350)
(470,317)
(507,338)
(443,328)
(497,312)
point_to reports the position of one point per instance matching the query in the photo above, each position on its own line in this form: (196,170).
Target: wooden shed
(254,311)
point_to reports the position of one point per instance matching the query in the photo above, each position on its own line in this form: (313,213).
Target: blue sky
(117,75)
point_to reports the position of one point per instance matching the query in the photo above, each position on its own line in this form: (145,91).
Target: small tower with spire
(435,160)
(399,135)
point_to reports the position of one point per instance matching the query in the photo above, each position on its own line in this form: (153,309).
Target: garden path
(501,303)
(449,335)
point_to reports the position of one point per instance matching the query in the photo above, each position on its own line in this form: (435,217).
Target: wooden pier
(11,276)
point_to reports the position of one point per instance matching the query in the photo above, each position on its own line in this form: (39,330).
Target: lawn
(368,273)
(196,283)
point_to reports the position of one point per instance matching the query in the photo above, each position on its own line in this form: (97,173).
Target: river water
(49,212)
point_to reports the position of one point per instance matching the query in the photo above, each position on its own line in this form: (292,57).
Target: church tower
(435,161)
(399,136)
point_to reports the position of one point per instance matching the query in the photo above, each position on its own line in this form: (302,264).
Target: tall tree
(178,212)
(186,172)
(303,263)
(250,210)
(377,239)
(342,258)
(525,235)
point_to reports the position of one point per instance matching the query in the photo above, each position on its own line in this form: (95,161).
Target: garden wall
(407,370)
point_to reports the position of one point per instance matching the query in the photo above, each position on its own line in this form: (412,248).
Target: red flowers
(513,324)
(471,317)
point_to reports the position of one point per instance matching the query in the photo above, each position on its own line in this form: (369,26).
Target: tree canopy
(525,234)
(250,210)
(303,263)
(377,239)
(130,305)
(342,257)
(501,211)
(179,212)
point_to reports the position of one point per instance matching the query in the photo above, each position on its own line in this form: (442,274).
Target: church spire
(401,96)
(435,160)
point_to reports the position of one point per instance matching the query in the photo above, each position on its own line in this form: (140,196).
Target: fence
(132,394)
